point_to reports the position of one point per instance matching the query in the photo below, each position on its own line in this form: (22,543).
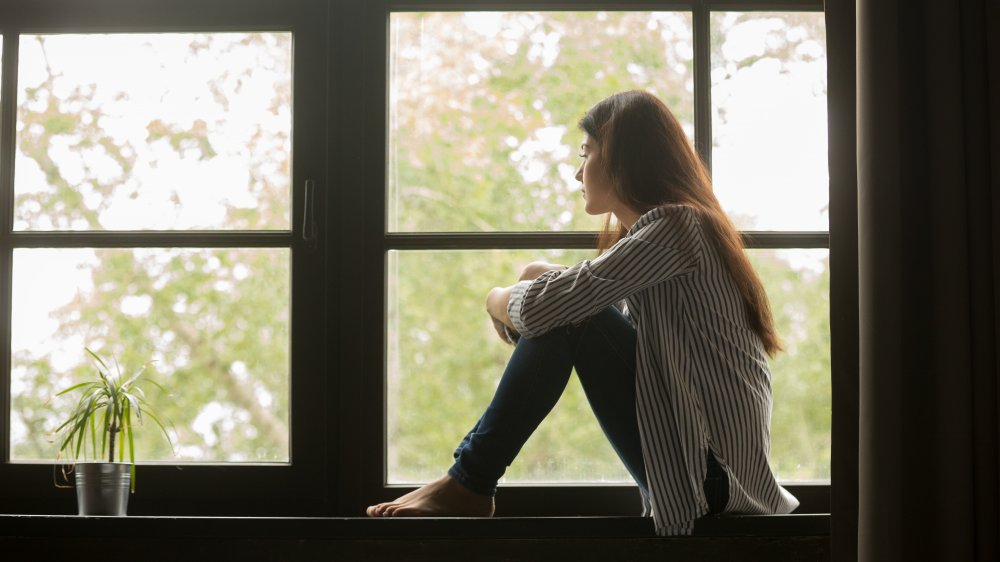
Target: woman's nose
(579,173)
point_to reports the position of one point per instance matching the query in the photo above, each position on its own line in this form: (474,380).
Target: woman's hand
(499,297)
(496,306)
(507,335)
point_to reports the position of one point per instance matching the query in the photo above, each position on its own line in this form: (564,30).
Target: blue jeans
(602,348)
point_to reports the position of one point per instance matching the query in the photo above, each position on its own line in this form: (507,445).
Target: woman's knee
(607,333)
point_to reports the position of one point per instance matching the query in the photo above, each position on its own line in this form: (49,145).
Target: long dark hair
(651,163)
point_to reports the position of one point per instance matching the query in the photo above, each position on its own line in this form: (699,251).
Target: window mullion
(153,239)
(764,5)
(8,116)
(575,240)
(702,83)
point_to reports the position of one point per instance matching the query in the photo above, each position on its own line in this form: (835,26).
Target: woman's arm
(498,299)
(669,245)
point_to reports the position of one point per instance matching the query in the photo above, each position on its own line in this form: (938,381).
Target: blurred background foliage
(483,138)
(93,156)
(483,113)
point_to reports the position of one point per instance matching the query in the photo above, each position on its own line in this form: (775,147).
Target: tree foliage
(483,111)
(483,115)
(216,319)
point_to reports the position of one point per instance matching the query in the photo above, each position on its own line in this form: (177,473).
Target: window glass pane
(483,110)
(443,364)
(216,321)
(769,128)
(153,132)
(444,361)
(798,286)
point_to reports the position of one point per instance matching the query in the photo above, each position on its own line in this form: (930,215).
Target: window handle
(310,231)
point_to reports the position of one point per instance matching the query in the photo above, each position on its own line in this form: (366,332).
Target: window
(151,184)
(769,167)
(163,133)
(481,140)
(265,196)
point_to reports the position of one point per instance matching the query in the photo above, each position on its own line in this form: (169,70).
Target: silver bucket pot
(102,488)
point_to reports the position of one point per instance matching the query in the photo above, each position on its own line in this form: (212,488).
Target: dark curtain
(929,271)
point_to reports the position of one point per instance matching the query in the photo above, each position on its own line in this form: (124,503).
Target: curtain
(928,139)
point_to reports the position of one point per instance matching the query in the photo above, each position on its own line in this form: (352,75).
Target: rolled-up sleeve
(666,245)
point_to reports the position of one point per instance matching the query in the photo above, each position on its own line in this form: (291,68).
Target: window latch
(310,231)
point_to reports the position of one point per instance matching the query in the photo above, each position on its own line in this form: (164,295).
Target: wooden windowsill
(300,528)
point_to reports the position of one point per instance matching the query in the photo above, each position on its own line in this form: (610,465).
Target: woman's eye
(582,155)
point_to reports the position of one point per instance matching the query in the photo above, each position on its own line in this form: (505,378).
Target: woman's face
(597,189)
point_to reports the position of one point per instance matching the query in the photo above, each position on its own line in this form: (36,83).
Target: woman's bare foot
(443,497)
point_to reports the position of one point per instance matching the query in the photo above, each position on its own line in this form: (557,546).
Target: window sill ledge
(362,528)
(799,538)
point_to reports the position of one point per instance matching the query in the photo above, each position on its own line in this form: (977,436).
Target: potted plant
(109,405)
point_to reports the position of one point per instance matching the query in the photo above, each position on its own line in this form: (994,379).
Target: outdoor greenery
(216,320)
(486,141)
(483,138)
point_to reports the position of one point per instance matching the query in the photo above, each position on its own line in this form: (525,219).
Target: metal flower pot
(102,488)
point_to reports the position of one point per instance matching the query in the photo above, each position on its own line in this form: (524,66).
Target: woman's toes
(377,509)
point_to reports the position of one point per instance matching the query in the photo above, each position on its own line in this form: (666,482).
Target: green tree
(483,137)
(483,127)
(216,320)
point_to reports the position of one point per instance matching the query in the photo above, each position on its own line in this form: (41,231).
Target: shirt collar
(646,218)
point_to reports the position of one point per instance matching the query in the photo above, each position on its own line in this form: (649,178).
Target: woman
(669,329)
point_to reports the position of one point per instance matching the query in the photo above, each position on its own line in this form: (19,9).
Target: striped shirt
(702,378)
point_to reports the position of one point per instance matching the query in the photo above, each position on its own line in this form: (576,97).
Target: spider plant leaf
(80,431)
(80,427)
(67,422)
(74,387)
(163,429)
(91,399)
(135,405)
(104,434)
(70,434)
(113,392)
(126,420)
(136,376)
(97,358)
(93,433)
(156,384)
(66,442)
(116,401)
(127,427)
(80,402)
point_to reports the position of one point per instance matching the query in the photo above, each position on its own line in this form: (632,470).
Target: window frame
(338,352)
(513,499)
(210,488)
